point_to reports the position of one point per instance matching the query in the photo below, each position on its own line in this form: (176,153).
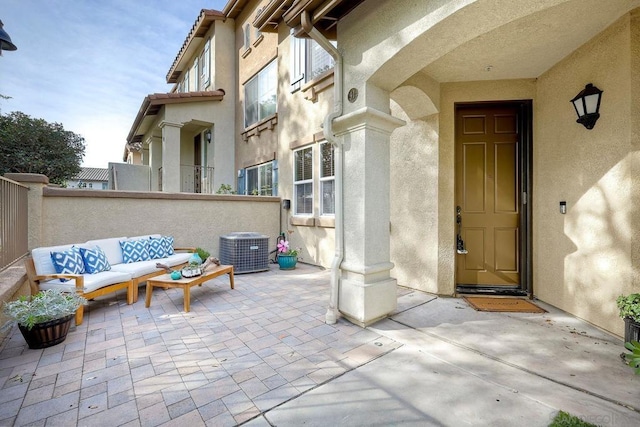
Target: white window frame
(260,170)
(303,183)
(247,36)
(205,66)
(195,73)
(184,86)
(326,179)
(301,61)
(263,93)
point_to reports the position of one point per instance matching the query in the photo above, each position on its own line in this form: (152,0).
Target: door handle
(459,242)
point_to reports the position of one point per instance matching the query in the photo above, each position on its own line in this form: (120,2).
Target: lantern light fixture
(5,40)
(587,105)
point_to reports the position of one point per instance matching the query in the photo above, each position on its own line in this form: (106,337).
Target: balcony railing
(193,179)
(196,179)
(14,238)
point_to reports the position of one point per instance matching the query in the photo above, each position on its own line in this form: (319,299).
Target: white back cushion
(110,247)
(42,258)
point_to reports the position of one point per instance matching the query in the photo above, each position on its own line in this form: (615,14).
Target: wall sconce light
(207,136)
(286,204)
(587,105)
(5,40)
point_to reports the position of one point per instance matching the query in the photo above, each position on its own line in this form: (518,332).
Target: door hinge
(524,197)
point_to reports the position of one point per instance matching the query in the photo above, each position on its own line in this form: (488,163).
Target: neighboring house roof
(152,104)
(202,25)
(92,174)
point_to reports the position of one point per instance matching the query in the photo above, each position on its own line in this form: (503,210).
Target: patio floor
(262,355)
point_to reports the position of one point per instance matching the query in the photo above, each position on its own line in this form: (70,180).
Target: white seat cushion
(138,268)
(175,259)
(91,281)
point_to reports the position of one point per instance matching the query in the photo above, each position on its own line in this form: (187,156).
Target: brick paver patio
(237,354)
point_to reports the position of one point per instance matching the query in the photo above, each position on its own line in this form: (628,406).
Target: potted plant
(44,318)
(629,306)
(633,358)
(287,257)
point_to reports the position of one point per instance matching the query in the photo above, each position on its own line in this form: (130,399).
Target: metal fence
(196,179)
(13,222)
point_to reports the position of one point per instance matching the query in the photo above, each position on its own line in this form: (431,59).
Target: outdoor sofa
(99,267)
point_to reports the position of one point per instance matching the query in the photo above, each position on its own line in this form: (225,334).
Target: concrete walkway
(261,355)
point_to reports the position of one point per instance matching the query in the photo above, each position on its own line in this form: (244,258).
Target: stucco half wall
(72,216)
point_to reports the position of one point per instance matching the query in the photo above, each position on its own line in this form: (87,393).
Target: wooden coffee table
(165,281)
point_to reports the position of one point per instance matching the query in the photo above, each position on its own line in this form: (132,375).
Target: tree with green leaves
(29,145)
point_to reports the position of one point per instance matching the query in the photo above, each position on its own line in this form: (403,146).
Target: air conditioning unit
(247,252)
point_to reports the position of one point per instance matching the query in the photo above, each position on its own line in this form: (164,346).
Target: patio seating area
(261,355)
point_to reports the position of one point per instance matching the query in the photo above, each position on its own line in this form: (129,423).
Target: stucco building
(436,105)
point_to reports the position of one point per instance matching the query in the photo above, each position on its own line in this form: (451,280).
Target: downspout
(332,311)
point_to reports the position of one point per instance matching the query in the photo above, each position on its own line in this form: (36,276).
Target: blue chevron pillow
(134,250)
(95,260)
(156,248)
(168,245)
(68,262)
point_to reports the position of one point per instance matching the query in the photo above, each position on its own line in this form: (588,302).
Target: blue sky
(88,64)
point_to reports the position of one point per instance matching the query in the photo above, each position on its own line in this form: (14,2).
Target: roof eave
(201,26)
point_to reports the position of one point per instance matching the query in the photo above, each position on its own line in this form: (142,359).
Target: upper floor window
(308,60)
(247,36)
(260,95)
(195,75)
(185,82)
(205,66)
(303,181)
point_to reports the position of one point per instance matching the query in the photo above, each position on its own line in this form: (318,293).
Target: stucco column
(635,143)
(155,160)
(367,291)
(170,156)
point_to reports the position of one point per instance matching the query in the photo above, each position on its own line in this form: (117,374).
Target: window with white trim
(327,180)
(308,61)
(303,181)
(260,96)
(247,36)
(260,180)
(195,75)
(205,65)
(184,85)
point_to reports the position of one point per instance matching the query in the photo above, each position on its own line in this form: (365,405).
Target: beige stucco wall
(300,125)
(582,260)
(75,216)
(260,148)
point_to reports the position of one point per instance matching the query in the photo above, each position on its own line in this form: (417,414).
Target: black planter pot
(631,330)
(47,334)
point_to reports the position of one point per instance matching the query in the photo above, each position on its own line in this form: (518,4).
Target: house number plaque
(352,95)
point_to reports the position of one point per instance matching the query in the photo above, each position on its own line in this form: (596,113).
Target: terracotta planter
(47,334)
(631,330)
(287,262)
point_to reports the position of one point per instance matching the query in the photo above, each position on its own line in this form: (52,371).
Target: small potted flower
(287,257)
(629,306)
(44,318)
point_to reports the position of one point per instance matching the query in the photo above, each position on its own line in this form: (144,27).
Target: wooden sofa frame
(35,279)
(131,285)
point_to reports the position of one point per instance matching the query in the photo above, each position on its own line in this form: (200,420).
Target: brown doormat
(512,305)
